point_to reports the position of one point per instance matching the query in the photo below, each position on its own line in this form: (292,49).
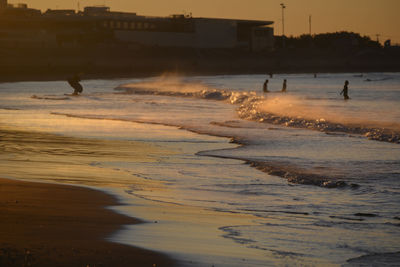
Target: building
(98,25)
(3,4)
(186,31)
(17,10)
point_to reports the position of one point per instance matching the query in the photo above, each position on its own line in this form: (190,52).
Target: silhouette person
(284,86)
(345,90)
(265,86)
(74,82)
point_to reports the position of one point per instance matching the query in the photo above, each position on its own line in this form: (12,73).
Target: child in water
(345,90)
(265,86)
(284,86)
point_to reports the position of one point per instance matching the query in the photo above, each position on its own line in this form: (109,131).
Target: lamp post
(283,24)
(283,19)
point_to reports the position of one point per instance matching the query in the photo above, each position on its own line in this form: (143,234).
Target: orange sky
(368,17)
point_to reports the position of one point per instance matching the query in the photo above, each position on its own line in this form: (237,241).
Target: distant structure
(3,4)
(98,25)
(17,10)
(387,43)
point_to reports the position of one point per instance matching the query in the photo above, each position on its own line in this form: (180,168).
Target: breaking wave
(254,109)
(292,173)
(283,110)
(175,86)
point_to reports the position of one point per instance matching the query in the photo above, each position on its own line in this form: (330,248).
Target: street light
(283,25)
(283,19)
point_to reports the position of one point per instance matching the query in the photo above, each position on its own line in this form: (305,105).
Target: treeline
(327,41)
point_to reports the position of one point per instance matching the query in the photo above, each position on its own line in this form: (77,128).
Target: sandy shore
(57,225)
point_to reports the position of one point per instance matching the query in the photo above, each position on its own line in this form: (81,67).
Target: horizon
(326,17)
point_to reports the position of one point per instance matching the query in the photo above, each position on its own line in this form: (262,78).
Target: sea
(220,172)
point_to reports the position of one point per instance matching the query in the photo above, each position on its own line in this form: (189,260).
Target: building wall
(3,4)
(214,33)
(176,39)
(208,33)
(262,38)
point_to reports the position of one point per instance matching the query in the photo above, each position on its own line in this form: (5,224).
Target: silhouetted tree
(325,41)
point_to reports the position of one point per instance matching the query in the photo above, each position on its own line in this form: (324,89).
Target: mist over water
(329,110)
(303,164)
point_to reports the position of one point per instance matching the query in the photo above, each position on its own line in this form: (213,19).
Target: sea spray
(254,109)
(288,111)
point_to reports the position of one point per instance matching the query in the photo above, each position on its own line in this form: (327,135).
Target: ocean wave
(50,97)
(300,177)
(249,110)
(292,174)
(375,259)
(205,93)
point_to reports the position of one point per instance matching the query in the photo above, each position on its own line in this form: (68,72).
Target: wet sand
(57,225)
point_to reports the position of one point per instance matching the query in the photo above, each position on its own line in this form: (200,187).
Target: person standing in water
(284,86)
(265,86)
(345,90)
(74,82)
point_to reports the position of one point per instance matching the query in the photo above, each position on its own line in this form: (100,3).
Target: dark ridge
(346,218)
(298,177)
(376,259)
(277,211)
(234,235)
(366,214)
(6,108)
(392,224)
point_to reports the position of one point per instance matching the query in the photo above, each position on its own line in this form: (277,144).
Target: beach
(44,224)
(221,173)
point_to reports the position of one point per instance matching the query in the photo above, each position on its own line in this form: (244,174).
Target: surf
(313,113)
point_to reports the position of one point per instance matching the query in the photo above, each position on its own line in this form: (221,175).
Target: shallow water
(165,141)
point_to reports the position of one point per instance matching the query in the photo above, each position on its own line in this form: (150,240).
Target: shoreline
(133,75)
(117,68)
(63,225)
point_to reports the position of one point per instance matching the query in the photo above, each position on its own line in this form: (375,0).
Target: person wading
(74,82)
(345,90)
(265,86)
(284,86)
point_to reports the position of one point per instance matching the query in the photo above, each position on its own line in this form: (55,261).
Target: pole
(283,19)
(283,24)
(309,21)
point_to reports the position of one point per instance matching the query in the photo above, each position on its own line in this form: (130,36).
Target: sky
(367,17)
